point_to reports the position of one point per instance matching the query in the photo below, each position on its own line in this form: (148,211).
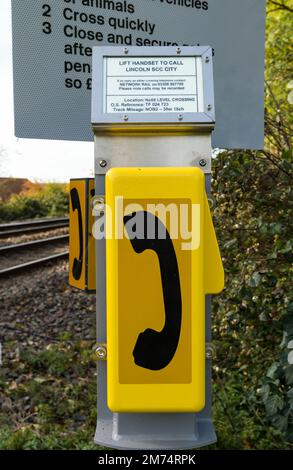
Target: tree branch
(281,6)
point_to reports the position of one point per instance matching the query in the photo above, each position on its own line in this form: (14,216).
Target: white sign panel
(52,59)
(152,85)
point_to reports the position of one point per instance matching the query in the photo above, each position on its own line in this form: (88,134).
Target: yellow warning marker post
(81,241)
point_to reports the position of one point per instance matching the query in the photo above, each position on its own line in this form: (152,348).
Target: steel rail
(32,264)
(31,229)
(32,244)
(32,222)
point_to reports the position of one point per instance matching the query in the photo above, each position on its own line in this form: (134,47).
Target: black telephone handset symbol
(154,350)
(77,262)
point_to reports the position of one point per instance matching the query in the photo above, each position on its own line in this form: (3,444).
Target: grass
(49,402)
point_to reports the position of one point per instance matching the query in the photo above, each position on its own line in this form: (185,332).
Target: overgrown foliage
(51,402)
(253,322)
(253,317)
(251,216)
(50,201)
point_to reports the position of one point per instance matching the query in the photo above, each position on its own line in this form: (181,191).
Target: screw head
(101,352)
(126,50)
(211,202)
(125,117)
(180,117)
(209,354)
(103,163)
(97,200)
(210,351)
(202,162)
(207,59)
(98,205)
(209,107)
(178,50)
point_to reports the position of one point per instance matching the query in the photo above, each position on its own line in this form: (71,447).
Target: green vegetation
(49,201)
(252,318)
(53,405)
(51,402)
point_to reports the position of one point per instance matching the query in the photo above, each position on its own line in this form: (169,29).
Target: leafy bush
(22,207)
(252,217)
(51,201)
(253,318)
(56,199)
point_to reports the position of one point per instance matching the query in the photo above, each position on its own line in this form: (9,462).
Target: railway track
(33,264)
(31,245)
(18,257)
(32,226)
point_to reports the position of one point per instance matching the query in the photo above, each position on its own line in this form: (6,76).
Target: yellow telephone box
(162,258)
(82,270)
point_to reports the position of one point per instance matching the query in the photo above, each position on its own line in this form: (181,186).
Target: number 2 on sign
(47,27)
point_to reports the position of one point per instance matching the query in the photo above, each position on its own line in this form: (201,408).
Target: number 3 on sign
(47,27)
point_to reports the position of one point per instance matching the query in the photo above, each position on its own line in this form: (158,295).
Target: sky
(37,160)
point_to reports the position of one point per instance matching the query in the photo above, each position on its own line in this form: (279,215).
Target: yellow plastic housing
(136,299)
(82,260)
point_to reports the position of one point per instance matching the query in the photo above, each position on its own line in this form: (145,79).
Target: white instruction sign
(52,60)
(153,85)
